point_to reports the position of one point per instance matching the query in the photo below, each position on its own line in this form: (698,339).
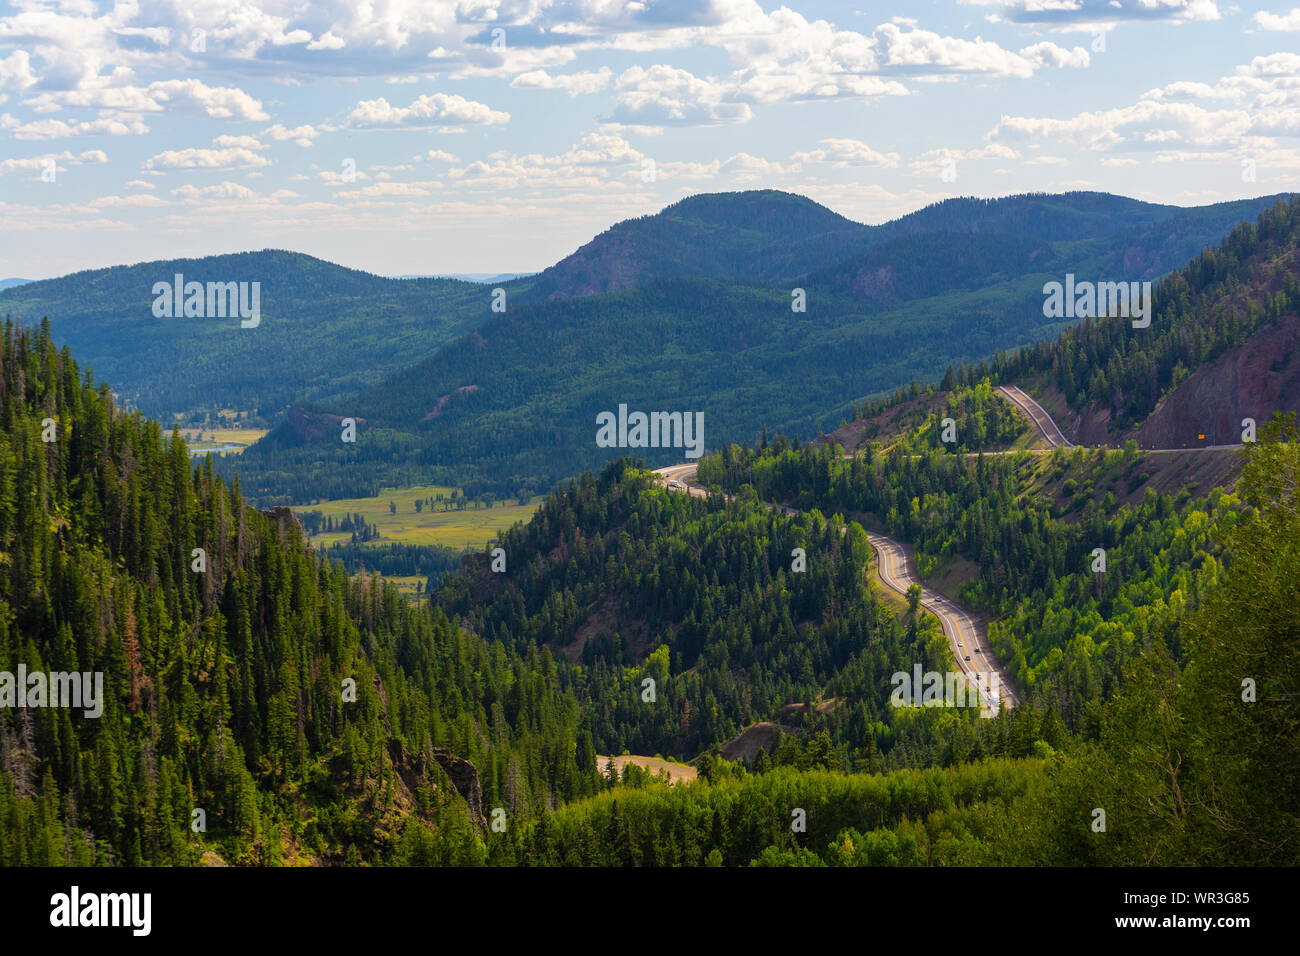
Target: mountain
(1141,658)
(772,237)
(324,330)
(255,705)
(10,283)
(485,278)
(513,405)
(763,236)
(688,309)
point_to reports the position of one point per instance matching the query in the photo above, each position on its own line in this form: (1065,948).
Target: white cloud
(336,179)
(922,51)
(231,152)
(299,135)
(136,201)
(1284,22)
(1106,129)
(61,161)
(739,168)
(845,153)
(1049,54)
(572,83)
(585,165)
(668,96)
(390,189)
(219,102)
(226,141)
(16,71)
(935,162)
(1186,90)
(437,110)
(1087,14)
(59,129)
(1259,99)
(224,191)
(327,41)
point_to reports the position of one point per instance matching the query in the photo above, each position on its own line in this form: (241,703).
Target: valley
(221,440)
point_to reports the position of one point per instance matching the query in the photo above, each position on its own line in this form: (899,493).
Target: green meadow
(462,529)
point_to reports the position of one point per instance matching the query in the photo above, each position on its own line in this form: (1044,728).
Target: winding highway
(966,636)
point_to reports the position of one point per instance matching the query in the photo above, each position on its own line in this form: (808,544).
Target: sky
(444,136)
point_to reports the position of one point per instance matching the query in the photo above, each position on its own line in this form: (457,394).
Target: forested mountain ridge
(1031,525)
(226,669)
(770,237)
(324,330)
(1166,757)
(763,236)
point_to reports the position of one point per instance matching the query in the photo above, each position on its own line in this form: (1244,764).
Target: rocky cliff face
(1251,381)
(606,264)
(413,768)
(302,425)
(286,520)
(464,777)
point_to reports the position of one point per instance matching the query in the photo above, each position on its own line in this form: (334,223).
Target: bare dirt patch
(746,744)
(677,772)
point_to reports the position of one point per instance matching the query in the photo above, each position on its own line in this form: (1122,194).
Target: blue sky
(422,136)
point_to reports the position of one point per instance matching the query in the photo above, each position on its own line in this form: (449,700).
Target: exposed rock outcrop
(464,777)
(415,768)
(285,519)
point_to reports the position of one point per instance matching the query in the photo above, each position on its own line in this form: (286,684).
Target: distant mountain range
(10,283)
(480,277)
(487,277)
(757,308)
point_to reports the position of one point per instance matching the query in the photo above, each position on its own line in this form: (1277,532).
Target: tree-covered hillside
(1064,629)
(626,581)
(226,689)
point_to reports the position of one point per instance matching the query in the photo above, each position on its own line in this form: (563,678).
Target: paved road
(682,475)
(966,636)
(1046,426)
(1052,433)
(963,631)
